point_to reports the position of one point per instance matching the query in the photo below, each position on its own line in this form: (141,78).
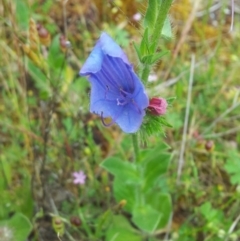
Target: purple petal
(111,48)
(94,61)
(104,46)
(131,119)
(116,90)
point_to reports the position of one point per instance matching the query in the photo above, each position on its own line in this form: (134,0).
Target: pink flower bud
(157,106)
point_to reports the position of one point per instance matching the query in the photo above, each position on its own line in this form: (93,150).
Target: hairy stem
(161,17)
(135,146)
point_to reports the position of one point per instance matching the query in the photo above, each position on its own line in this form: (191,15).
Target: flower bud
(75,221)
(64,43)
(43,35)
(122,203)
(209,146)
(58,225)
(157,106)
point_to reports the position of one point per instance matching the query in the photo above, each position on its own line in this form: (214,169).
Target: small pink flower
(79,177)
(137,17)
(157,106)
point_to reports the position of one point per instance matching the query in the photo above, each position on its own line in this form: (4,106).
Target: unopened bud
(64,43)
(58,225)
(209,146)
(75,221)
(122,203)
(57,221)
(157,106)
(43,35)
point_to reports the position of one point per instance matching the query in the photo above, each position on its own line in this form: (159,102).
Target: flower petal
(94,61)
(130,119)
(111,48)
(104,46)
(116,90)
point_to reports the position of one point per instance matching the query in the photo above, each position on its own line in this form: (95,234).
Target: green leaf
(46,6)
(144,50)
(146,218)
(22,13)
(163,204)
(103,221)
(56,59)
(170,100)
(145,154)
(125,191)
(153,58)
(232,166)
(121,230)
(40,80)
(19,225)
(155,165)
(137,48)
(123,170)
(167,29)
(211,214)
(6,170)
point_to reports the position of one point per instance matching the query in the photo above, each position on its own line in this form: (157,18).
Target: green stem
(162,15)
(145,74)
(84,224)
(135,146)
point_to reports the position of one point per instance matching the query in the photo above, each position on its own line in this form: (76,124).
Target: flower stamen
(104,123)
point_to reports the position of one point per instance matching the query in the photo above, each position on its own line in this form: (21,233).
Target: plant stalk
(135,147)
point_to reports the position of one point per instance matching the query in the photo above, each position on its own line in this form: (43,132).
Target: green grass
(47,132)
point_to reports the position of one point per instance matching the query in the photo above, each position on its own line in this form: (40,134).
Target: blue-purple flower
(116,91)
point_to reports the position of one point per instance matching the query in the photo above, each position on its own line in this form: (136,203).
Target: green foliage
(19,227)
(145,51)
(21,193)
(162,204)
(22,13)
(155,164)
(56,59)
(145,217)
(153,125)
(167,29)
(123,170)
(151,14)
(210,214)
(156,23)
(153,58)
(232,166)
(144,46)
(206,204)
(137,184)
(121,230)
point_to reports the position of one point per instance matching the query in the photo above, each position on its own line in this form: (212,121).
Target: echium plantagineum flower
(157,106)
(116,91)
